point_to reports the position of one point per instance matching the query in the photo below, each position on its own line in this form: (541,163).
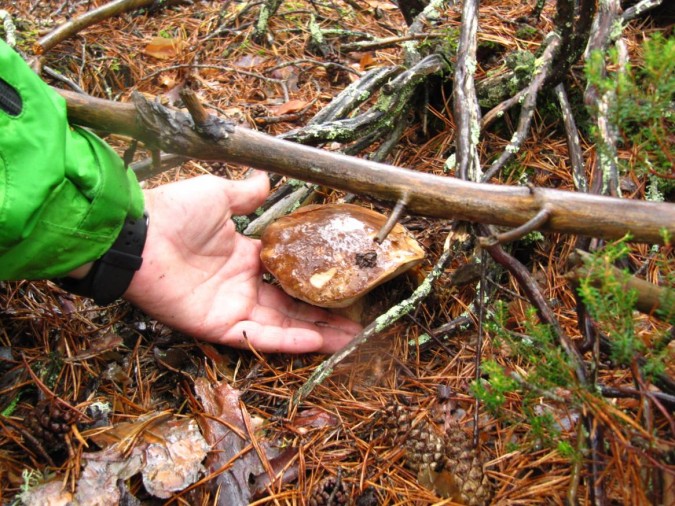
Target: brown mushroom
(326,255)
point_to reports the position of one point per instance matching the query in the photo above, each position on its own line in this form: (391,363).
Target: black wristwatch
(111,275)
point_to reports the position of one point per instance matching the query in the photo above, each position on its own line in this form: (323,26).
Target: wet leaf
(240,473)
(291,106)
(168,454)
(163,48)
(51,493)
(367,61)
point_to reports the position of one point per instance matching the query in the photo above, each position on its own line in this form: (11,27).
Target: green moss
(527,32)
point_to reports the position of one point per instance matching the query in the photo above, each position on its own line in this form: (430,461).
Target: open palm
(201,277)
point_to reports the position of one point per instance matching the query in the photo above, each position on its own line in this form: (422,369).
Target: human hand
(201,277)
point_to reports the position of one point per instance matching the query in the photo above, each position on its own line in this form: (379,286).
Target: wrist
(109,277)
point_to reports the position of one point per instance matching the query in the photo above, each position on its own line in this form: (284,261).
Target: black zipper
(10,100)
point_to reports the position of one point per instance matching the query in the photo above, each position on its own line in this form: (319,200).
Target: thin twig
(61,78)
(479,339)
(573,144)
(639,9)
(544,65)
(325,369)
(537,222)
(10,29)
(316,63)
(372,45)
(392,220)
(529,286)
(92,17)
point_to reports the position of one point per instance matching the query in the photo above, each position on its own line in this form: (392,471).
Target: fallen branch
(650,297)
(428,195)
(73,26)
(467,112)
(529,103)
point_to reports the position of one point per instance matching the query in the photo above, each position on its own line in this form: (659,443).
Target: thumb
(247,195)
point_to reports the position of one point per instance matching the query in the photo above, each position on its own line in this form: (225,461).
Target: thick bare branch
(467,113)
(428,195)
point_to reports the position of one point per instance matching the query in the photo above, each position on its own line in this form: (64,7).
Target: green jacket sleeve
(64,193)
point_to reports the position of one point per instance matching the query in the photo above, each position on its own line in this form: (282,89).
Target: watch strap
(111,275)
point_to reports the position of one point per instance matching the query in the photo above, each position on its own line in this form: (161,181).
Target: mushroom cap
(326,255)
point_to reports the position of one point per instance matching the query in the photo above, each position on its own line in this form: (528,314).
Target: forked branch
(173,131)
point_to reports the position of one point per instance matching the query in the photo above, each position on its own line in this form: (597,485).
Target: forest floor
(100,402)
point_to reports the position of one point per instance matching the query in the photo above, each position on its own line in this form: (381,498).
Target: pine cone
(444,459)
(334,73)
(259,111)
(50,421)
(322,491)
(465,463)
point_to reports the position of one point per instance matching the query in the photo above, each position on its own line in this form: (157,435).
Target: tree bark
(426,194)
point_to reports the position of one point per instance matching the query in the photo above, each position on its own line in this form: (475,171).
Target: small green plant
(527,32)
(641,106)
(544,370)
(31,479)
(493,392)
(542,394)
(612,306)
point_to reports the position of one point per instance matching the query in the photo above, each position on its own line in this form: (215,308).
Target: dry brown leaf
(169,455)
(51,493)
(367,61)
(240,473)
(97,485)
(163,48)
(291,106)
(177,462)
(249,61)
(126,432)
(98,346)
(315,418)
(385,5)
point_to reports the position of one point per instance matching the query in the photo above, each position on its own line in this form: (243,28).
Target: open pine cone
(443,458)
(322,492)
(50,421)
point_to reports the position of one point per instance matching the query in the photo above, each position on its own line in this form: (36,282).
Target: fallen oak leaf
(238,473)
(168,454)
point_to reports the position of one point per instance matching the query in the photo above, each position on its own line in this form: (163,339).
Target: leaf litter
(122,367)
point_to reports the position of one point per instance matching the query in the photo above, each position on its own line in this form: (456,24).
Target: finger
(334,336)
(272,339)
(246,195)
(273,297)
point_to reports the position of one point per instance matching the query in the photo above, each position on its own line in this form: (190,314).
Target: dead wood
(92,17)
(650,297)
(428,195)
(467,112)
